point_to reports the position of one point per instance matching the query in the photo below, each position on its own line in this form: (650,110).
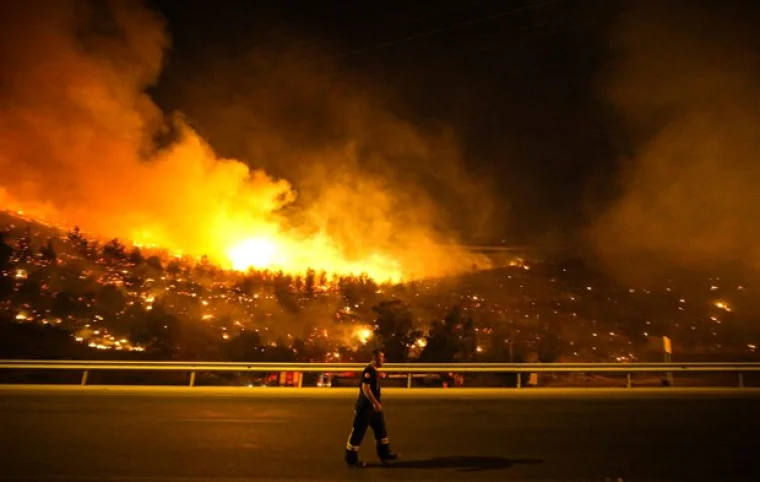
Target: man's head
(378,358)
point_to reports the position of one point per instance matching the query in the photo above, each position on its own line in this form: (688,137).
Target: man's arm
(367,391)
(370,377)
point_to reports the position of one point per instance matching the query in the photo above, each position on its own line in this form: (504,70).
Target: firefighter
(369,413)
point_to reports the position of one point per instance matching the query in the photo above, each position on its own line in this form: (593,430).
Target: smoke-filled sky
(625,128)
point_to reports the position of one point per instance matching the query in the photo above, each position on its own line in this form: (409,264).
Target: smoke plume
(82,143)
(685,83)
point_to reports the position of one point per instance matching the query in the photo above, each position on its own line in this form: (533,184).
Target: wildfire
(363,334)
(78,152)
(256,253)
(278,252)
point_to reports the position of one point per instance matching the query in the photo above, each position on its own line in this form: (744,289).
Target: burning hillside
(78,147)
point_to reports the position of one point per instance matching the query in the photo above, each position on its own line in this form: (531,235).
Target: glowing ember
(722,305)
(363,334)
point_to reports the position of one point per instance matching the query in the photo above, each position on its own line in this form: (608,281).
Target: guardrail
(410,369)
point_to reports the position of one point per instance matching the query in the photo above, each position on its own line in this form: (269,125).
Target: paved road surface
(222,435)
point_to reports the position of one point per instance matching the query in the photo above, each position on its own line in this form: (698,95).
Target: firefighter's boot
(384,451)
(352,459)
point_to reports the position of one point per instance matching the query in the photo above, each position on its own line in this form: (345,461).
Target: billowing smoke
(78,144)
(685,82)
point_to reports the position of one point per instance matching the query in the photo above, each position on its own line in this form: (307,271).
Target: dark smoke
(685,83)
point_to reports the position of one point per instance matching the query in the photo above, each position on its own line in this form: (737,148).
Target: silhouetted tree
(28,293)
(323,278)
(110,301)
(114,250)
(450,340)
(395,329)
(65,304)
(25,250)
(48,253)
(310,283)
(284,293)
(6,254)
(78,241)
(550,348)
(198,341)
(299,350)
(246,347)
(136,257)
(279,353)
(159,331)
(155,263)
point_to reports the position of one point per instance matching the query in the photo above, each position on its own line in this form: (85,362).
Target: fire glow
(81,151)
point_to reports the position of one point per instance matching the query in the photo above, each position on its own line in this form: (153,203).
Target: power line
(435,31)
(317,42)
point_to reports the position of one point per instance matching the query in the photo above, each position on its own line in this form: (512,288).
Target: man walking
(369,413)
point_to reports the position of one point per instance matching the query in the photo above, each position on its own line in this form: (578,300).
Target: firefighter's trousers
(365,417)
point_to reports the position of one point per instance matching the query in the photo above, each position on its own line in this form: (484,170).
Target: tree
(110,301)
(322,278)
(550,348)
(28,293)
(158,330)
(246,347)
(48,252)
(155,263)
(284,293)
(279,353)
(395,329)
(310,283)
(114,250)
(450,340)
(78,241)
(65,305)
(198,341)
(25,251)
(6,254)
(136,257)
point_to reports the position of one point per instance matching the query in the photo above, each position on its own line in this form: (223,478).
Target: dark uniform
(366,416)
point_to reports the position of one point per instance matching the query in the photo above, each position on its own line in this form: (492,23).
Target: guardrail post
(300,379)
(519,380)
(628,380)
(85,374)
(741,380)
(192,379)
(408,380)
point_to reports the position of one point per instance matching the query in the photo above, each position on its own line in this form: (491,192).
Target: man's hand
(377,407)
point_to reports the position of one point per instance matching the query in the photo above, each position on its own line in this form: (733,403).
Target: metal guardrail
(410,369)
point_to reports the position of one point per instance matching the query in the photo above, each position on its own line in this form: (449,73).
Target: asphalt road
(161,435)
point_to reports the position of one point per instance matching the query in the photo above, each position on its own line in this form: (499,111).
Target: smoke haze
(348,190)
(685,83)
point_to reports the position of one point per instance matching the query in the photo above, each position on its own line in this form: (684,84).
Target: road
(230,435)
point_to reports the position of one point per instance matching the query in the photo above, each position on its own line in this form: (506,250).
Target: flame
(363,334)
(253,253)
(81,151)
